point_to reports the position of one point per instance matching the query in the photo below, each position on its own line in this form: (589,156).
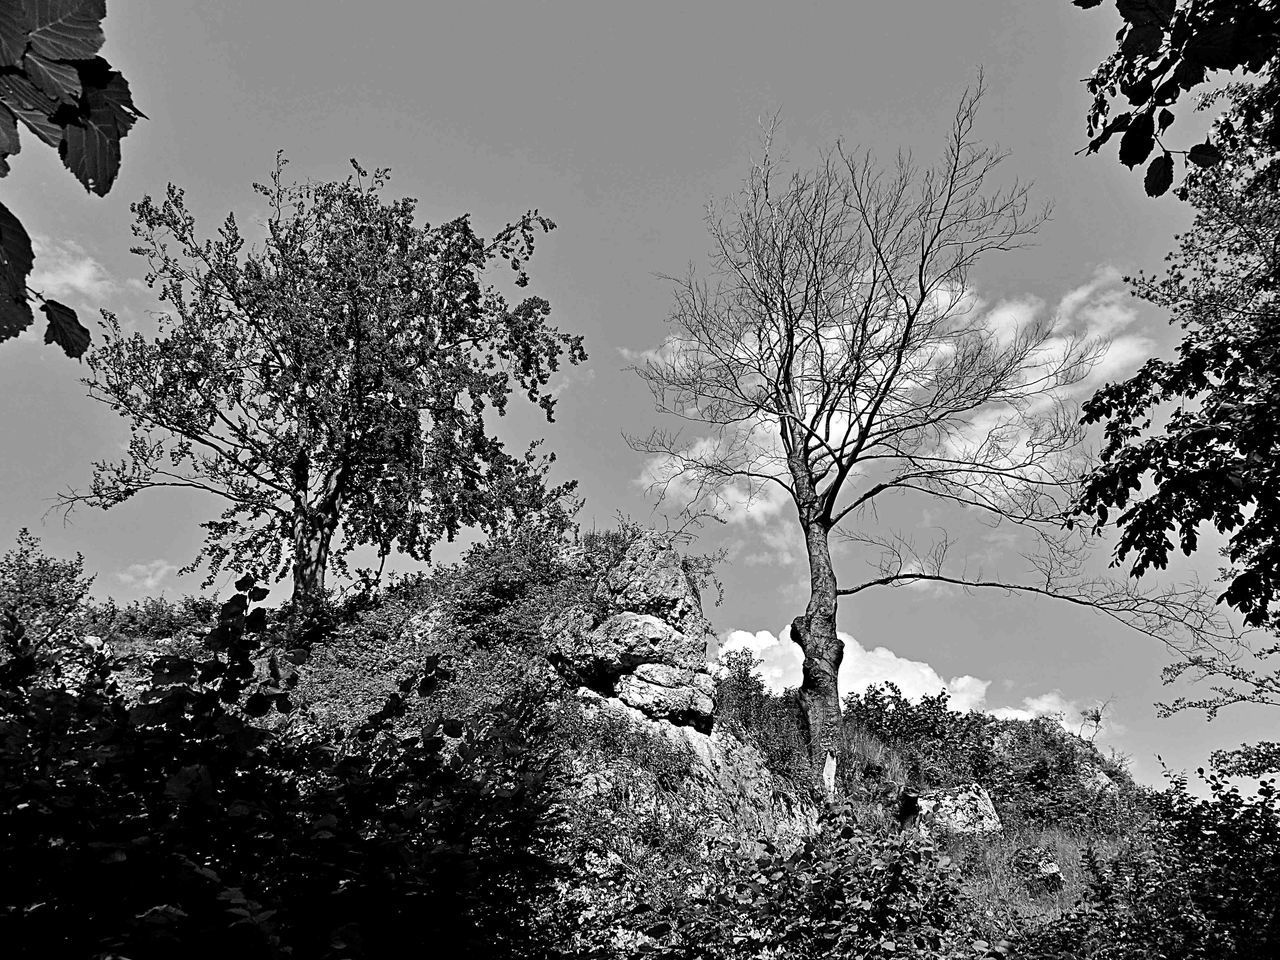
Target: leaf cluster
(52,79)
(1166,49)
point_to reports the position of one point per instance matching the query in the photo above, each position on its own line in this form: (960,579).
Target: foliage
(1169,48)
(843,892)
(333,383)
(1037,773)
(46,594)
(1206,884)
(1214,459)
(772,724)
(53,81)
(176,821)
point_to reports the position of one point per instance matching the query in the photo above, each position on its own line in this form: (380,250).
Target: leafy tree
(1168,48)
(53,81)
(1193,440)
(838,361)
(332,384)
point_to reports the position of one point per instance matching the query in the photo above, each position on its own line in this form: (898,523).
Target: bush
(1205,883)
(770,723)
(177,823)
(844,892)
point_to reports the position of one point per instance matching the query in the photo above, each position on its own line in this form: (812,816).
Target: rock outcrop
(646,642)
(959,811)
(639,659)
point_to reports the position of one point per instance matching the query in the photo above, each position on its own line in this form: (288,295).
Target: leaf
(65,329)
(66,29)
(1138,140)
(15,266)
(1159,176)
(1204,155)
(15,21)
(1086,4)
(1142,39)
(32,106)
(1146,12)
(1165,118)
(9,143)
(91,147)
(61,81)
(245,583)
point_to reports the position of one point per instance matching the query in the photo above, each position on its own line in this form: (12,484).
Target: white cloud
(64,271)
(146,576)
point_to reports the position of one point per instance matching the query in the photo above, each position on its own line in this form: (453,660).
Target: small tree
(839,358)
(331,385)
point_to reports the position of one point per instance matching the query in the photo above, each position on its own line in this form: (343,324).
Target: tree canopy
(332,384)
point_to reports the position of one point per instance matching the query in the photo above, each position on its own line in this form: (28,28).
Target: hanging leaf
(60,81)
(1138,141)
(65,329)
(67,29)
(1159,176)
(15,266)
(31,106)
(91,148)
(1204,155)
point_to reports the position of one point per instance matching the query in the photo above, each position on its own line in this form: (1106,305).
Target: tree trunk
(312,537)
(815,633)
(314,525)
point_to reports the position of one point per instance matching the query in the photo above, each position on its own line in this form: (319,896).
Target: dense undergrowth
(389,772)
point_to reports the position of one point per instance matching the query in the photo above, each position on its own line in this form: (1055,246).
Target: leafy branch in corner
(52,79)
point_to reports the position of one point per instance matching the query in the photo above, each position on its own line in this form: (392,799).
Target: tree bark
(312,538)
(815,633)
(314,525)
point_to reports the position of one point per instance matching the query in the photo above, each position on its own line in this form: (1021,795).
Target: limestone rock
(963,811)
(664,692)
(1096,781)
(651,579)
(1039,867)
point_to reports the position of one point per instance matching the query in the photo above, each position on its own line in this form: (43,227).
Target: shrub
(177,823)
(1205,883)
(843,892)
(772,724)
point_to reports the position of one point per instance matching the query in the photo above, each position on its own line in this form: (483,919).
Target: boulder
(663,692)
(959,811)
(1039,868)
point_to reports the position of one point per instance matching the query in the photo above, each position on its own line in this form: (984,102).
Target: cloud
(64,271)
(146,576)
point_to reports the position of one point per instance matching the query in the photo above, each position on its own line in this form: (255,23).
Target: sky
(619,122)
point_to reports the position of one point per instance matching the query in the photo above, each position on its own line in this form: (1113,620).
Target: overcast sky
(619,122)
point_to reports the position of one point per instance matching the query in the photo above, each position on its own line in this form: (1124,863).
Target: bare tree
(835,352)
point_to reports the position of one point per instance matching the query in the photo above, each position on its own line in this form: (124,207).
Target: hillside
(537,729)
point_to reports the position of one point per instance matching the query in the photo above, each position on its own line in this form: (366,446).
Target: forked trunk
(815,633)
